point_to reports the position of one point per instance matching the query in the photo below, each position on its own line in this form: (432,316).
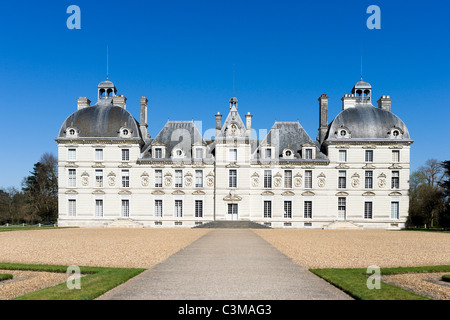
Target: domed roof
(366,122)
(101,121)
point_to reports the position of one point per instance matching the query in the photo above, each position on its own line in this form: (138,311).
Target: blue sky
(180,55)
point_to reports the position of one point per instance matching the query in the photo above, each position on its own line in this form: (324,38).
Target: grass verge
(446,278)
(354,282)
(95,282)
(4,229)
(5,276)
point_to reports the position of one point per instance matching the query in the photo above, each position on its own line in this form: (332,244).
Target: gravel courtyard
(360,248)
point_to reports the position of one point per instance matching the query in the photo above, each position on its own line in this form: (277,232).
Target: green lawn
(5,276)
(354,282)
(95,282)
(446,277)
(20,228)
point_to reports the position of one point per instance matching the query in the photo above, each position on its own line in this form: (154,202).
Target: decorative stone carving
(188,181)
(321,180)
(277,182)
(382,180)
(355,180)
(145,179)
(111,179)
(85,178)
(232,197)
(255,182)
(298,180)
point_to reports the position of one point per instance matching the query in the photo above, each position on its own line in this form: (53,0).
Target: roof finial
(107,64)
(361,64)
(233,80)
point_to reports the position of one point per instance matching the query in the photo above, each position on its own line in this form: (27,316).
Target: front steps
(233,225)
(342,225)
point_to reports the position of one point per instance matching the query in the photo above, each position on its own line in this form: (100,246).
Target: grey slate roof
(290,135)
(176,134)
(367,123)
(101,121)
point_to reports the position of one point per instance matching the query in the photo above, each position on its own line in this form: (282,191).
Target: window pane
(288,178)
(178,178)
(394,210)
(233,154)
(342,180)
(369,156)
(72,154)
(99,178)
(199,178)
(342,203)
(367,210)
(198,153)
(268,153)
(99,154)
(99,208)
(158,153)
(125,178)
(308,154)
(72,178)
(395,155)
(72,208)
(232,179)
(158,208)
(343,155)
(288,209)
(158,178)
(368,180)
(267,209)
(395,184)
(308,179)
(125,208)
(267,179)
(308,209)
(178,208)
(125,154)
(198,208)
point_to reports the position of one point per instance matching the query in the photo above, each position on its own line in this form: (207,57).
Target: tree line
(37,201)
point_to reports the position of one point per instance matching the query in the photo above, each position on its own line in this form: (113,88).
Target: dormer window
(343,133)
(308,152)
(124,132)
(178,153)
(395,133)
(288,154)
(71,132)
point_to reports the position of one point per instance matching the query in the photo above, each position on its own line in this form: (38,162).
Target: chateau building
(354,175)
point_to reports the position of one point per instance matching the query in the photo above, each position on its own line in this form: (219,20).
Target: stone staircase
(342,225)
(124,223)
(242,224)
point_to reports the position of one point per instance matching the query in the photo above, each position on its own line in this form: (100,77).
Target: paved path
(227,264)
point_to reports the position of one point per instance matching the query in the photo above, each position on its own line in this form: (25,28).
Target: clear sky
(180,55)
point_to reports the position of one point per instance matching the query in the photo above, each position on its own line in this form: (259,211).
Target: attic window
(72,132)
(288,153)
(125,132)
(343,133)
(395,133)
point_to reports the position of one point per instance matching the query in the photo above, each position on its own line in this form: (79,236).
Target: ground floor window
(125,208)
(178,208)
(308,210)
(72,212)
(394,210)
(288,209)
(99,208)
(368,210)
(158,208)
(342,207)
(267,209)
(199,208)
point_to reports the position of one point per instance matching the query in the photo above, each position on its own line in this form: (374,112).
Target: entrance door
(232,211)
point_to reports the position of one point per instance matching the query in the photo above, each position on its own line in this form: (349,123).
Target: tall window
(72,178)
(158,153)
(394,210)
(99,178)
(178,178)
(308,179)
(395,183)
(288,209)
(178,208)
(72,208)
(199,208)
(342,207)
(342,182)
(125,178)
(98,154)
(308,154)
(72,154)
(125,208)
(267,209)
(268,153)
(308,210)
(395,155)
(342,155)
(158,179)
(199,153)
(368,210)
(369,156)
(125,154)
(199,178)
(267,178)
(232,154)
(288,178)
(369,179)
(232,178)
(99,208)
(158,208)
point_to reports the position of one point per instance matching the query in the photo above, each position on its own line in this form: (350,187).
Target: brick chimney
(143,124)
(323,117)
(384,103)
(120,101)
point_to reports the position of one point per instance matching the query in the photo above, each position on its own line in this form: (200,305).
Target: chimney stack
(323,117)
(120,101)
(384,103)
(218,123)
(143,123)
(248,118)
(83,102)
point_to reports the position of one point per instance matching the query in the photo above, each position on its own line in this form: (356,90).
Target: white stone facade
(137,181)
